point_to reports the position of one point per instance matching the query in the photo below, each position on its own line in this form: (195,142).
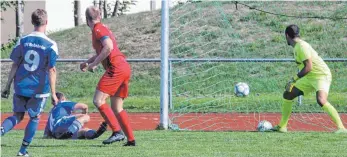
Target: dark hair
(293,31)
(39,17)
(59,95)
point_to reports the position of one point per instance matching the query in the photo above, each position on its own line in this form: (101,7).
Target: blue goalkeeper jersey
(62,109)
(34,54)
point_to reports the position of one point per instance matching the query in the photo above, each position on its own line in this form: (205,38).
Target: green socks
(333,114)
(286,111)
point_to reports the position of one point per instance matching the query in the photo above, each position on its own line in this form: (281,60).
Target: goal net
(202,91)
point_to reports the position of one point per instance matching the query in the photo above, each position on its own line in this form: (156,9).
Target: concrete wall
(8,25)
(60,14)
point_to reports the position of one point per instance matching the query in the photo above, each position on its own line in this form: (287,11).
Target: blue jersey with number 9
(34,54)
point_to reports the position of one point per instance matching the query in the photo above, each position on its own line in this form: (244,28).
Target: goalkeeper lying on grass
(314,76)
(62,124)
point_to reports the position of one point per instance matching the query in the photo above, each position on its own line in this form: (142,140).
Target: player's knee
(321,100)
(98,102)
(119,109)
(288,96)
(86,118)
(19,116)
(35,117)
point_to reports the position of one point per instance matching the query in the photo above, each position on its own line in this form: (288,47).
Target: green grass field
(204,30)
(208,30)
(197,144)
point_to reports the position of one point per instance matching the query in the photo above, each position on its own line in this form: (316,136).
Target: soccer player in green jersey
(314,76)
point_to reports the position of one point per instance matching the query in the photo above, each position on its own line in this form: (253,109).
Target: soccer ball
(264,126)
(241,89)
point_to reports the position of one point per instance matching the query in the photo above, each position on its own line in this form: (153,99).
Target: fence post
(300,97)
(170,85)
(164,72)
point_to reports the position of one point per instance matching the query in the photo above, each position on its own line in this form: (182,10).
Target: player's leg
(87,133)
(34,107)
(301,87)
(11,122)
(121,114)
(101,130)
(108,115)
(287,105)
(18,114)
(322,99)
(78,123)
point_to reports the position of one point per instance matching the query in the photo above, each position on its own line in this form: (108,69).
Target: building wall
(8,25)
(60,14)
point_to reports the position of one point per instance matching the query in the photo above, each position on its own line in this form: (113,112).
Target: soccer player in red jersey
(114,82)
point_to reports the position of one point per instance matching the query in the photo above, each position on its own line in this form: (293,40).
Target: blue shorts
(33,105)
(62,125)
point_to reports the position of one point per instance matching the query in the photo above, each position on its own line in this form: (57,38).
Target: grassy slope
(159,143)
(212,29)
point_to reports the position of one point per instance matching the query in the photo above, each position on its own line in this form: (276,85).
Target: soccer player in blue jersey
(63,124)
(34,74)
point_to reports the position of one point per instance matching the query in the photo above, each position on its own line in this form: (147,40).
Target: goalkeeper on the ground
(63,124)
(314,76)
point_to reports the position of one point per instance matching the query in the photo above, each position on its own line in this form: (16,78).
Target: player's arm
(6,92)
(52,83)
(81,107)
(91,60)
(84,65)
(304,55)
(307,68)
(106,50)
(16,57)
(53,55)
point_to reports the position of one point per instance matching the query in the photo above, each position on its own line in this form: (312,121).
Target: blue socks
(75,126)
(90,134)
(8,124)
(29,134)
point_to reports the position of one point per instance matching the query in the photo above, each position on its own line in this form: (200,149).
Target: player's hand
(290,84)
(5,93)
(91,67)
(83,66)
(54,100)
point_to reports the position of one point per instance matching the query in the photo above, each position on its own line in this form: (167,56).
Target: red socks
(124,121)
(108,115)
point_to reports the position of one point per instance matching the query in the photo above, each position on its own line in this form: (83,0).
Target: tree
(19,18)
(116,8)
(100,7)
(77,13)
(7,4)
(105,9)
(122,7)
(152,5)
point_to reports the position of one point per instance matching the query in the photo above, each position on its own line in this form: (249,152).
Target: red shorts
(116,82)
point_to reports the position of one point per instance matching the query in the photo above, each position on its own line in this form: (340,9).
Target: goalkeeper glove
(291,82)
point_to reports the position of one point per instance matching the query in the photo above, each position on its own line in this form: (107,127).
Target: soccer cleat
(341,131)
(279,129)
(21,154)
(101,130)
(115,137)
(130,143)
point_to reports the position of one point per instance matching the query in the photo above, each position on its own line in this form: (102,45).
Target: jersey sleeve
(53,55)
(17,55)
(101,33)
(69,106)
(303,52)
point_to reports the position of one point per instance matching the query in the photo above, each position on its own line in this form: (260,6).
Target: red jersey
(101,32)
